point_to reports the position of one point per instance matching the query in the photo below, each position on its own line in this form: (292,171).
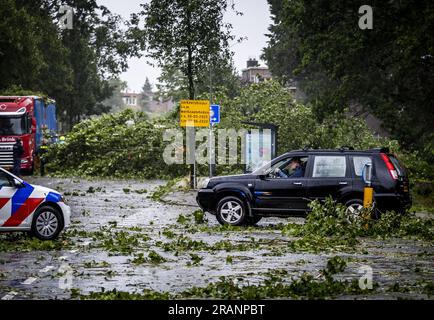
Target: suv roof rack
(380,150)
(344,148)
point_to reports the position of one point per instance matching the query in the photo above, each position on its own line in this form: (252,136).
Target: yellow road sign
(194,113)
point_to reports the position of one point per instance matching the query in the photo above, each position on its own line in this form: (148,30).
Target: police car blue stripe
(20,197)
(53,197)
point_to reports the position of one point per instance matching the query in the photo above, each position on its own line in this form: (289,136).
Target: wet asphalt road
(108,209)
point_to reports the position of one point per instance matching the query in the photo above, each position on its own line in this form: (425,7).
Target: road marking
(29,281)
(10,295)
(46,269)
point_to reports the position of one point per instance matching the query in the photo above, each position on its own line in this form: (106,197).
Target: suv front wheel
(232,211)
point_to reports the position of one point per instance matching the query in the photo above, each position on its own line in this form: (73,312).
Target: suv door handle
(297,183)
(343,183)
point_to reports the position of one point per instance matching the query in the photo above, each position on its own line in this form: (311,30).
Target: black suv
(286,185)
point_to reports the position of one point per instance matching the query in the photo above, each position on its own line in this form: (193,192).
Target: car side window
(4,180)
(329,167)
(293,167)
(359,163)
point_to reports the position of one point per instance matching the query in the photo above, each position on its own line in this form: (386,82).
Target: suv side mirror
(262,177)
(18,184)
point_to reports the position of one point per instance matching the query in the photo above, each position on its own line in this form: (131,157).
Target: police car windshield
(12,126)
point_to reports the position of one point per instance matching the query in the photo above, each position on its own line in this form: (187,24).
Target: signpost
(194,113)
(214,119)
(215,114)
(368,190)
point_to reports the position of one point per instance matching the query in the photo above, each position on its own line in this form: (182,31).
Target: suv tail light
(390,166)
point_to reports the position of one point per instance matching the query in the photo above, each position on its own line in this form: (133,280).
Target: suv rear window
(329,167)
(359,163)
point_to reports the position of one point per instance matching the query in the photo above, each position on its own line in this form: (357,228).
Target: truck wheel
(231,211)
(47,223)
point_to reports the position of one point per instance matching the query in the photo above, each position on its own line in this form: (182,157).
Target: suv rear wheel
(354,208)
(231,210)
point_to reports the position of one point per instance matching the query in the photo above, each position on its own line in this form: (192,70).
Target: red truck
(26,118)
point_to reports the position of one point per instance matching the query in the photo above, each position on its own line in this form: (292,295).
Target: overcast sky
(253,25)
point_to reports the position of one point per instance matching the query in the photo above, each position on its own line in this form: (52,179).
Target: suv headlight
(204,183)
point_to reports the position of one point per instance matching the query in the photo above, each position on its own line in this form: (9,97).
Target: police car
(25,207)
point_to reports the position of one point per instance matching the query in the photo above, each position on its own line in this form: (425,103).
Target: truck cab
(25,118)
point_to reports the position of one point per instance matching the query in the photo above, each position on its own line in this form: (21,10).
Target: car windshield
(12,126)
(269,166)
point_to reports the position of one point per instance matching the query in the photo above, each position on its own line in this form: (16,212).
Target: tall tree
(186,34)
(115,101)
(389,70)
(71,66)
(146,95)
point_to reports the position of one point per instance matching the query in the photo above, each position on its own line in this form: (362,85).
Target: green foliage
(199,217)
(187,35)
(182,219)
(423,196)
(429,289)
(163,190)
(270,102)
(121,295)
(304,287)
(195,259)
(388,70)
(155,258)
(70,66)
(108,147)
(24,243)
(329,224)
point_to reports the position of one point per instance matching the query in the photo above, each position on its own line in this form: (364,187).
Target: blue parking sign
(214,116)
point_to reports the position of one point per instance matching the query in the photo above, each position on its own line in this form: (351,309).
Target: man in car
(295,167)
